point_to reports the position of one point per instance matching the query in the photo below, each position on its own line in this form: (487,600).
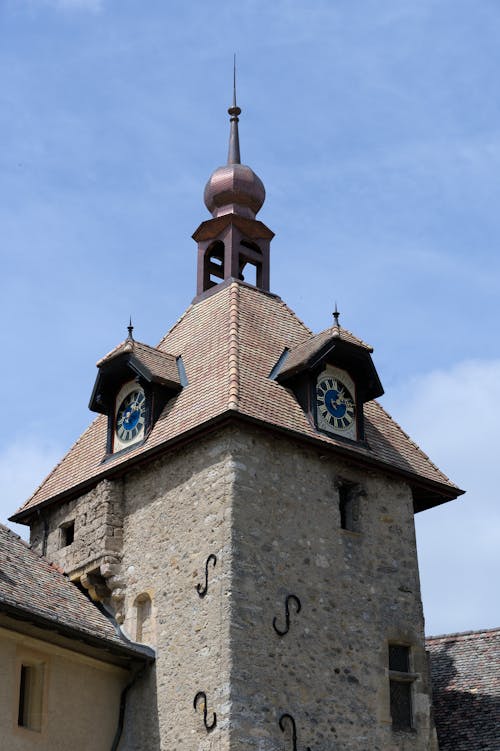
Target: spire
(130,329)
(233,154)
(233,244)
(336,315)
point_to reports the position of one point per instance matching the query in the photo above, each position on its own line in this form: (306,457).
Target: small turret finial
(130,329)
(233,155)
(336,315)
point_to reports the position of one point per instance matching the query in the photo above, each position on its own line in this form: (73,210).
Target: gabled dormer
(133,385)
(332,375)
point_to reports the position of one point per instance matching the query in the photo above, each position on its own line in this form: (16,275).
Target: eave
(106,649)
(426,493)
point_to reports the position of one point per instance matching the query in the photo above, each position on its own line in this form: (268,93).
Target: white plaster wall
(81,698)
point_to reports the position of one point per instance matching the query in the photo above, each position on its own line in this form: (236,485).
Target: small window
(67,534)
(400,680)
(31,696)
(144,619)
(349,506)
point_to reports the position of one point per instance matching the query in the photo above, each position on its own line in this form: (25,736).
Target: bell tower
(243,505)
(233,241)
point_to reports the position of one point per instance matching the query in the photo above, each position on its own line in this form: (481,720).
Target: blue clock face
(130,418)
(335,403)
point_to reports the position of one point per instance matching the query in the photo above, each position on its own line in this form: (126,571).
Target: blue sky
(376,130)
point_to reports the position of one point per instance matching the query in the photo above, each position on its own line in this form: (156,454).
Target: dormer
(133,385)
(332,375)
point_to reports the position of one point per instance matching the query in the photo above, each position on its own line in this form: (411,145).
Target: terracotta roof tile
(229,343)
(161,365)
(305,351)
(465,672)
(31,585)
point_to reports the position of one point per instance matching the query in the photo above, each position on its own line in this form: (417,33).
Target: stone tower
(245,506)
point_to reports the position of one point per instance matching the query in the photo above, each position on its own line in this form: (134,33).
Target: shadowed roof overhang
(126,652)
(110,371)
(426,493)
(361,364)
(252,228)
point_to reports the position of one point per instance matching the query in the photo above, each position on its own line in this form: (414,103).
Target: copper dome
(236,189)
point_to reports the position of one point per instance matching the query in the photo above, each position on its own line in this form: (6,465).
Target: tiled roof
(305,351)
(30,585)
(466,690)
(229,342)
(161,365)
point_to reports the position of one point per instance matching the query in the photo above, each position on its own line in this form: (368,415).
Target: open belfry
(244,506)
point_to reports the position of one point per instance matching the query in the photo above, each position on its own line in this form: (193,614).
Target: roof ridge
(175,325)
(294,315)
(233,346)
(52,472)
(464,635)
(422,452)
(354,336)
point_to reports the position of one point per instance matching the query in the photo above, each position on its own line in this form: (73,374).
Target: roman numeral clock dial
(335,404)
(130,416)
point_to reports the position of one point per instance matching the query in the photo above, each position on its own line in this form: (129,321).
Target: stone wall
(95,553)
(358,591)
(177,513)
(268,508)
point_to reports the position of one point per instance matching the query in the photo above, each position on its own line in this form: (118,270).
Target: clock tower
(244,505)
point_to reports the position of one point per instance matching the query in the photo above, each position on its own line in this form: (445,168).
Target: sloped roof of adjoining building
(229,342)
(33,589)
(465,672)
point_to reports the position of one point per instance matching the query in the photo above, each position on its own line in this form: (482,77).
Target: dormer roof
(334,342)
(132,358)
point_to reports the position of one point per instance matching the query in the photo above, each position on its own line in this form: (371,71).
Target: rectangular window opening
(399,658)
(349,506)
(67,534)
(31,696)
(400,684)
(401,705)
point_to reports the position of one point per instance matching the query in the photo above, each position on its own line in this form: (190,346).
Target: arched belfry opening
(233,244)
(213,264)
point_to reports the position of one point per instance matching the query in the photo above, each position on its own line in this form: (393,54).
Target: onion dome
(234,188)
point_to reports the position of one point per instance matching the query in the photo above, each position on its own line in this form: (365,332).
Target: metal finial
(130,329)
(233,155)
(336,315)
(234,81)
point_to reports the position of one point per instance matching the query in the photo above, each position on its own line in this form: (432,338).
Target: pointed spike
(233,155)
(336,315)
(130,329)
(234,81)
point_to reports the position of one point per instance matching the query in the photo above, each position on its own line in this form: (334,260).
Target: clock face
(130,416)
(335,405)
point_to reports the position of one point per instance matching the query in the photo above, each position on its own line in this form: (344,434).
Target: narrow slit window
(31,696)
(401,687)
(349,506)
(144,619)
